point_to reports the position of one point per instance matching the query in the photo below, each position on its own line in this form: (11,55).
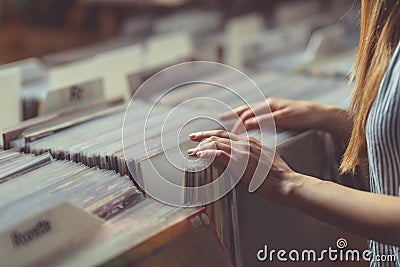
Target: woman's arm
(369,215)
(372,216)
(331,119)
(293,114)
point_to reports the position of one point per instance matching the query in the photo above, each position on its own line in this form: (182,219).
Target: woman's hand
(286,113)
(247,158)
(291,114)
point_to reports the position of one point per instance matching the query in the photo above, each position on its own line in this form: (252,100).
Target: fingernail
(192,135)
(190,151)
(198,154)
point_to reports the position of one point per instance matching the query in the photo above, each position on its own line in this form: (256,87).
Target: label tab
(84,93)
(43,234)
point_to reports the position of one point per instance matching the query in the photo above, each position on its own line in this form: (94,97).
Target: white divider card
(197,22)
(31,69)
(115,66)
(167,49)
(237,30)
(43,234)
(71,84)
(85,93)
(73,73)
(10,100)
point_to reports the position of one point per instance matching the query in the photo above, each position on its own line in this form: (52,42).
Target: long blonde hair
(380,30)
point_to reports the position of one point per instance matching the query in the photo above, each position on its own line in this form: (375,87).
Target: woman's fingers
(262,121)
(215,139)
(240,126)
(233,113)
(197,137)
(219,156)
(212,143)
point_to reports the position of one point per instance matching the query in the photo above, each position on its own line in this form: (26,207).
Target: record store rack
(68,194)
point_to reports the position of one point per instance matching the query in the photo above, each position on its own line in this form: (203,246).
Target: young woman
(372,126)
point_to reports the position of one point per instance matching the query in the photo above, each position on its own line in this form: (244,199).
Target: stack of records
(34,184)
(136,231)
(223,212)
(147,235)
(271,84)
(63,118)
(93,139)
(97,141)
(14,163)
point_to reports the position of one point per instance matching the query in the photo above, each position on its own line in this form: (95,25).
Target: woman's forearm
(332,119)
(369,215)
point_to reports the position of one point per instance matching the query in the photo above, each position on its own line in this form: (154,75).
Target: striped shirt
(383,142)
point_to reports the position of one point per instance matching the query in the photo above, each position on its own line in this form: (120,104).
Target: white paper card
(10,103)
(116,65)
(166,49)
(42,235)
(31,69)
(74,73)
(72,84)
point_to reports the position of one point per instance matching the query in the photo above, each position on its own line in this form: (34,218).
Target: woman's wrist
(282,188)
(289,186)
(330,119)
(301,191)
